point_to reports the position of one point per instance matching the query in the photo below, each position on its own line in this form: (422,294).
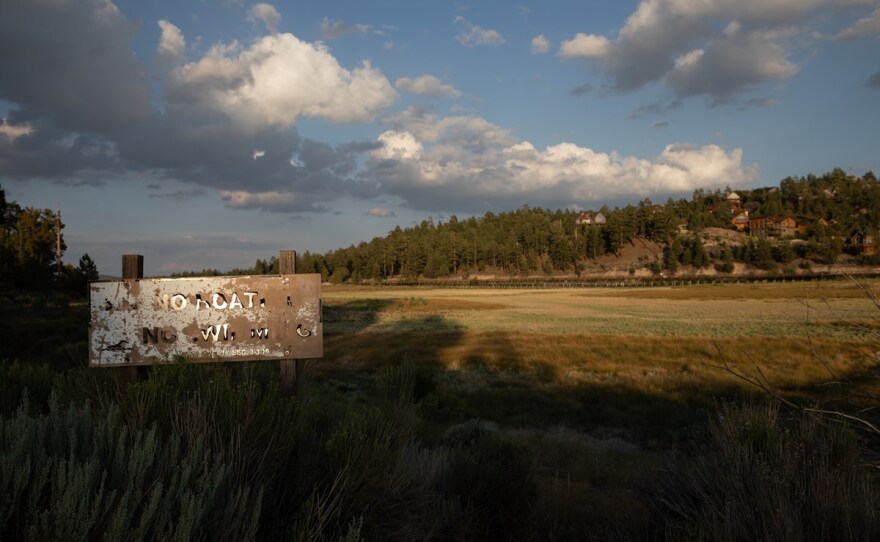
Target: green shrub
(724,267)
(493,478)
(69,475)
(407,382)
(469,433)
(42,334)
(19,379)
(758,477)
(381,473)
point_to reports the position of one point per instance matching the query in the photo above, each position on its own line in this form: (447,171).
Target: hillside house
(584,219)
(733,200)
(769,226)
(862,243)
(740,221)
(587,218)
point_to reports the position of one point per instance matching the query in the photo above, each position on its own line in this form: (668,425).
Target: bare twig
(838,414)
(758,379)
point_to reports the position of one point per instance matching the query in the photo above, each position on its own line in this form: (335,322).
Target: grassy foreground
(462,415)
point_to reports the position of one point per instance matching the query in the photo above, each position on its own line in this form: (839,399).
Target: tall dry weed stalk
(756,475)
(385,476)
(857,401)
(781,470)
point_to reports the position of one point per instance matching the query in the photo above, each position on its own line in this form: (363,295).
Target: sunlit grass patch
(732,313)
(600,361)
(839,289)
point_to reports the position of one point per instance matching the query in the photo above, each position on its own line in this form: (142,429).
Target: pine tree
(87,269)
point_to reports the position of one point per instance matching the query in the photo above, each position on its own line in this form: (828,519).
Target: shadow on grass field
(650,389)
(599,414)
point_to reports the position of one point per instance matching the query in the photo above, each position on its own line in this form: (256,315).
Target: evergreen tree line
(535,240)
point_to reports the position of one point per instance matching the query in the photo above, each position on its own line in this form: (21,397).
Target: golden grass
(669,366)
(645,360)
(652,388)
(599,384)
(799,290)
(419,305)
(730,311)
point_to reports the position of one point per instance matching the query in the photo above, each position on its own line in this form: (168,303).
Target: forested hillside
(539,241)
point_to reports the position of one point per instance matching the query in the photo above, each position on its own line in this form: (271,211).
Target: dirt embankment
(633,258)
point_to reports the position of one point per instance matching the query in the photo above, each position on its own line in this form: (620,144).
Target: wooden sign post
(132,269)
(138,322)
(292,370)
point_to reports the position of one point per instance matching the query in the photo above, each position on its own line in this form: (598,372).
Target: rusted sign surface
(138,322)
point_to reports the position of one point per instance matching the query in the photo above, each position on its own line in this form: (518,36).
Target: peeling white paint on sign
(143,321)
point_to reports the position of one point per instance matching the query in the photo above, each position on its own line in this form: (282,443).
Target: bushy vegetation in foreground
(218,453)
(756,475)
(72,474)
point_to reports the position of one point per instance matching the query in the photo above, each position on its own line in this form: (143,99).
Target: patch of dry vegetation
(707,311)
(641,359)
(547,380)
(600,385)
(752,291)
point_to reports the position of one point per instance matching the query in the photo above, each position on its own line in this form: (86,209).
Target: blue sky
(210,133)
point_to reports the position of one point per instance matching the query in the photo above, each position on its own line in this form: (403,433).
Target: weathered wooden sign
(144,321)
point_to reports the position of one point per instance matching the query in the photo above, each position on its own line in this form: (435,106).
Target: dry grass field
(600,384)
(640,362)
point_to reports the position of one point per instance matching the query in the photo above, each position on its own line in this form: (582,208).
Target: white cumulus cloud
(473,35)
(540,44)
(278,79)
(584,46)
(380,212)
(863,27)
(172,46)
(427,85)
(454,132)
(443,169)
(397,146)
(718,49)
(267,14)
(239,199)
